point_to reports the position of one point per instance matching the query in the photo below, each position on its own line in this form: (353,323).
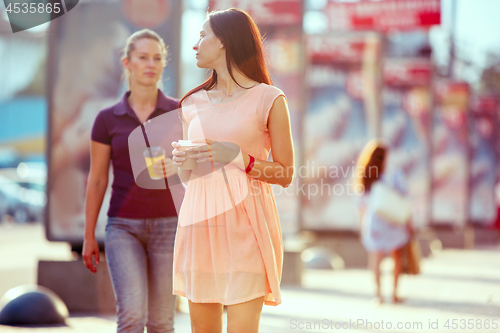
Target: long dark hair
(244,50)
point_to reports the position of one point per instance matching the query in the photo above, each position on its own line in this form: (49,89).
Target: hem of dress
(272,303)
(399,245)
(183,294)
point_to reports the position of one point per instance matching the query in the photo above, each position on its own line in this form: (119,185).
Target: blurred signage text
(336,48)
(384,15)
(265,12)
(407,72)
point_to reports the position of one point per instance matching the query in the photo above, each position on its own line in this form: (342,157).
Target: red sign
(484,104)
(335,48)
(407,72)
(383,15)
(265,12)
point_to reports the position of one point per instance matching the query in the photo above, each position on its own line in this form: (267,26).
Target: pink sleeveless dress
(228,247)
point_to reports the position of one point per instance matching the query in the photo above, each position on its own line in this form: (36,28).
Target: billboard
(450,154)
(84,77)
(406,128)
(336,127)
(483,127)
(351,100)
(383,15)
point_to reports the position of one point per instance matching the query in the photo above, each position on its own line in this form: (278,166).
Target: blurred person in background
(380,236)
(232,257)
(140,231)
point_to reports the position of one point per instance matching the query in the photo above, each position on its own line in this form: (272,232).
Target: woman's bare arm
(280,171)
(100,156)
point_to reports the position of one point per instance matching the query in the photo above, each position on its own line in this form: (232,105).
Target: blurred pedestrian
(140,231)
(232,256)
(379,235)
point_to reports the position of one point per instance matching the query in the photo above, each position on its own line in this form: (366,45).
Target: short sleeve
(266,103)
(99,130)
(188,109)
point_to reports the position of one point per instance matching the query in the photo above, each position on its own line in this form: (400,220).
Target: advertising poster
(383,15)
(482,139)
(280,23)
(85,76)
(335,130)
(406,128)
(450,154)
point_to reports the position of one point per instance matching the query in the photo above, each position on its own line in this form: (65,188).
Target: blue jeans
(139,254)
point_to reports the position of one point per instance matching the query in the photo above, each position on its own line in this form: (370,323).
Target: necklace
(229,95)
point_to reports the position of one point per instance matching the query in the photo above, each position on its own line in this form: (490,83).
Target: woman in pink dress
(228,247)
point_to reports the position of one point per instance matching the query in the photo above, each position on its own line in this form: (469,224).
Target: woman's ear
(125,62)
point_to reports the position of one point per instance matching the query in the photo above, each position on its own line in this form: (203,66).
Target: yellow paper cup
(152,155)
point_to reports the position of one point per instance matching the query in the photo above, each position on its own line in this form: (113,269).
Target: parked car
(23,198)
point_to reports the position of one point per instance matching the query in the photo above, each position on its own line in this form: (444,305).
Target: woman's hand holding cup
(188,153)
(216,152)
(179,157)
(184,151)
(165,167)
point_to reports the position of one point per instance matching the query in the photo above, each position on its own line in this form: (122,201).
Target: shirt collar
(123,106)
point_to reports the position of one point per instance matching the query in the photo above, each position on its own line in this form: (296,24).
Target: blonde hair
(372,156)
(130,46)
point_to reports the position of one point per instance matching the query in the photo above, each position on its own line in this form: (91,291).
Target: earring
(221,46)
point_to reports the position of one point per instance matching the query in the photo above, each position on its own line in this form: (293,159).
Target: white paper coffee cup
(189,163)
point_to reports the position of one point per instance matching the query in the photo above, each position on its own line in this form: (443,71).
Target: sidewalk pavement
(462,286)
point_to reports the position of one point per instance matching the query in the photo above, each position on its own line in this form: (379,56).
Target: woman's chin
(149,83)
(200,64)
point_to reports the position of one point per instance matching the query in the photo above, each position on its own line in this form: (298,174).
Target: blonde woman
(141,227)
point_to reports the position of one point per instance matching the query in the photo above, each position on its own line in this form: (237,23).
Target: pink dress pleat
(228,247)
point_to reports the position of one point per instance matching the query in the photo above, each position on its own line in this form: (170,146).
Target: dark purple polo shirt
(113,126)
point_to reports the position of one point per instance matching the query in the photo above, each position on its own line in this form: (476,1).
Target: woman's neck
(226,84)
(142,97)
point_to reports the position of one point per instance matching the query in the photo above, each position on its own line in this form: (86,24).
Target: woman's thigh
(160,248)
(245,317)
(206,317)
(127,263)
(375,258)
